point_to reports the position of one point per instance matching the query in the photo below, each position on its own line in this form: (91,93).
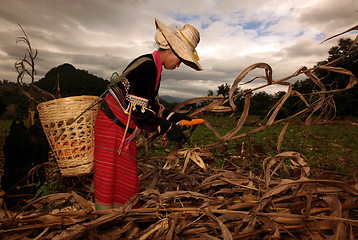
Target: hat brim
(179,45)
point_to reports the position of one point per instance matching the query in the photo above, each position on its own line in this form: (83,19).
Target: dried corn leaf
(340,230)
(268,71)
(242,119)
(339,34)
(172,162)
(226,234)
(155,230)
(193,155)
(280,137)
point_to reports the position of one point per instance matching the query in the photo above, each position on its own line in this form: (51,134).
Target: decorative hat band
(191,45)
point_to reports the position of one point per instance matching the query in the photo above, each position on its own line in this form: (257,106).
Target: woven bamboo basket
(71,137)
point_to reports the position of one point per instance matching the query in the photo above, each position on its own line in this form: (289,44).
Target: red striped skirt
(115,172)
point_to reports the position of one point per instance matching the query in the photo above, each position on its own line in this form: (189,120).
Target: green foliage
(261,103)
(305,86)
(5,124)
(3,106)
(45,188)
(16,103)
(223,89)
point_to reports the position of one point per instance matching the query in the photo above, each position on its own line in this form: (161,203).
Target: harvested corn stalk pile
(202,204)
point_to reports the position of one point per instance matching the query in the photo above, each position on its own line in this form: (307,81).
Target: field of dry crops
(191,202)
(186,197)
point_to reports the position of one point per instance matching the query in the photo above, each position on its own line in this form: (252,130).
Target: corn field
(186,198)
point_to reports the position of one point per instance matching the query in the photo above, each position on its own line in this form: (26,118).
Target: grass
(331,147)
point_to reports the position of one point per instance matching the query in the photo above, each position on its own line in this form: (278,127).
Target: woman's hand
(177,117)
(173,131)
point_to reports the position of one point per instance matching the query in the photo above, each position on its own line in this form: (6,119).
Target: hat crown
(190,34)
(161,41)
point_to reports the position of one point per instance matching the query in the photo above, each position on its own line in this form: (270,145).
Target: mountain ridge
(171,99)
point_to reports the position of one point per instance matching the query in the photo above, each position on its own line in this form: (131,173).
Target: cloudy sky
(104,36)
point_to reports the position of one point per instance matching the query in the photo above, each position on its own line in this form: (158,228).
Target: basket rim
(67,99)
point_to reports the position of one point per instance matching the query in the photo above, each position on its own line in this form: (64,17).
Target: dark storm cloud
(104,36)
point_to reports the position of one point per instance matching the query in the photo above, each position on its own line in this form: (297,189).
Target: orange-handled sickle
(192,122)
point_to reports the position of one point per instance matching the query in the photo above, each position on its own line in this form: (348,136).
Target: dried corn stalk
(224,204)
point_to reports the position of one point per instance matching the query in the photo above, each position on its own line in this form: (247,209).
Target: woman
(131,105)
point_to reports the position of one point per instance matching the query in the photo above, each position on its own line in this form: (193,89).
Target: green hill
(72,81)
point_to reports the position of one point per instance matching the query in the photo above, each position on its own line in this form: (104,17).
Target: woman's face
(171,60)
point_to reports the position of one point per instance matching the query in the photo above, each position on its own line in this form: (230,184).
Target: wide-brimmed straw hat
(182,41)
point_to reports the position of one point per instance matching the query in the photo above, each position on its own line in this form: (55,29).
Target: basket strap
(108,112)
(121,77)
